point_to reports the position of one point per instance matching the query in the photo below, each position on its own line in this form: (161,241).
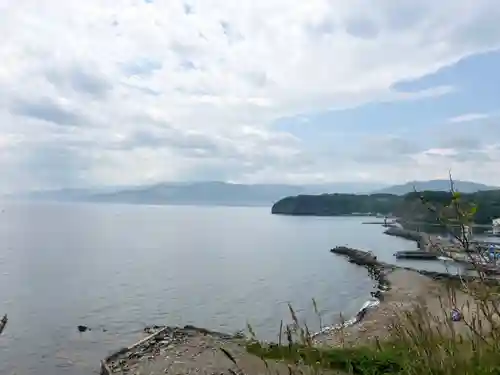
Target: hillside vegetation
(486,205)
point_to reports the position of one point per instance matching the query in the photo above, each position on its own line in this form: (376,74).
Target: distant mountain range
(435,185)
(229,194)
(196,193)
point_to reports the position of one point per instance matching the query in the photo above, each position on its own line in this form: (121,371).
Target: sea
(118,268)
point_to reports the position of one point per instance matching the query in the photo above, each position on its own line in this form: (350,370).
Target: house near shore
(496,226)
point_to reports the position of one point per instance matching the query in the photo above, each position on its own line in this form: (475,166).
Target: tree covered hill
(408,206)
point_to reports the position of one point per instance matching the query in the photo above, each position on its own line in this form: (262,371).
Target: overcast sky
(105,92)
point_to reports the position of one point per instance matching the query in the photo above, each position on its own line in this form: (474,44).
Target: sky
(128,92)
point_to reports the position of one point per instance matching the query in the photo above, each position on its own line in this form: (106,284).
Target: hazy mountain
(222,193)
(219,193)
(435,185)
(64,195)
(208,193)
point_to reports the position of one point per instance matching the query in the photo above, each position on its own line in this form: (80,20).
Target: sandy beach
(408,289)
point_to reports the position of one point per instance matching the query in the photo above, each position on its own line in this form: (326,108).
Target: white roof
(496,221)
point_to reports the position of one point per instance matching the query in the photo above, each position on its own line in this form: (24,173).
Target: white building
(496,226)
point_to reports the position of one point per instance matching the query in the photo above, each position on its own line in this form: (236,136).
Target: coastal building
(496,226)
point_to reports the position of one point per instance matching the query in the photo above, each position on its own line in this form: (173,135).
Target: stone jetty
(376,269)
(369,260)
(359,257)
(427,242)
(422,239)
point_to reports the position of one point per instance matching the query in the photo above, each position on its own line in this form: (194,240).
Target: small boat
(446,259)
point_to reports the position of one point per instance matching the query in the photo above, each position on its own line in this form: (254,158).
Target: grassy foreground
(361,360)
(418,344)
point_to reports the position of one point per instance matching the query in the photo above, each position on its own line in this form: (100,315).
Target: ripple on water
(123,267)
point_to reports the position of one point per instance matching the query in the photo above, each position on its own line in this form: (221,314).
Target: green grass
(418,344)
(435,356)
(361,360)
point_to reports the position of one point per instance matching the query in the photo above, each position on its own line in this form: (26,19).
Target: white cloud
(469,117)
(478,165)
(80,79)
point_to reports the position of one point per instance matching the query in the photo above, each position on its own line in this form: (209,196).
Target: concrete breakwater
(369,260)
(422,239)
(376,269)
(359,257)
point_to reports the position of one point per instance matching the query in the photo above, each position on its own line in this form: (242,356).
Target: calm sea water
(120,267)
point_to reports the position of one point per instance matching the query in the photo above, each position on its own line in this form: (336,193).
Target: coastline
(407,289)
(189,349)
(393,294)
(403,290)
(397,290)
